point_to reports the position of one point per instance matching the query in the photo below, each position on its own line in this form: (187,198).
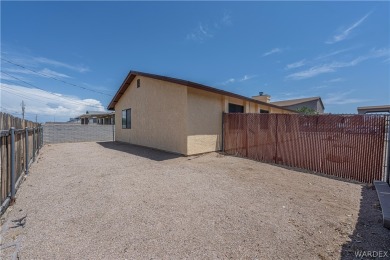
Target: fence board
(347,146)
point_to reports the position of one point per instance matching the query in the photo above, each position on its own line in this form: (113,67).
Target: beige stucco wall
(159,112)
(204,121)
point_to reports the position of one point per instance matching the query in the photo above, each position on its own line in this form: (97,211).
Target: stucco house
(176,115)
(314,103)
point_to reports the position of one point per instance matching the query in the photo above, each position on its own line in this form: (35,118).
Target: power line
(60,80)
(60,96)
(7,89)
(19,95)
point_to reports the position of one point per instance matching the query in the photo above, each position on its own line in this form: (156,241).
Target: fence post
(223,131)
(113,132)
(387,124)
(34,145)
(246,135)
(38,139)
(12,132)
(42,136)
(27,158)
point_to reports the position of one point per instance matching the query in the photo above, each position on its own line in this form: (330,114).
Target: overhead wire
(54,78)
(52,93)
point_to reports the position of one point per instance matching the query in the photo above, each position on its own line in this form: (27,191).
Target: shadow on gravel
(141,151)
(369,236)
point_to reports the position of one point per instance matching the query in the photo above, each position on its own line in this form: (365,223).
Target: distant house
(374,109)
(96,117)
(313,103)
(176,115)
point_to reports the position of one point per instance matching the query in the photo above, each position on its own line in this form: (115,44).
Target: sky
(64,58)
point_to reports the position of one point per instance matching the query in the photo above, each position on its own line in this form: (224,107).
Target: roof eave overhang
(132,74)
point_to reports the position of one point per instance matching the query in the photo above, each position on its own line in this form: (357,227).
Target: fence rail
(19,146)
(348,146)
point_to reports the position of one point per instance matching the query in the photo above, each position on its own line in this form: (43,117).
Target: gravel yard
(117,201)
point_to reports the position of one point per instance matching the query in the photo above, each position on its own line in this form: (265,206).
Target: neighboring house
(96,117)
(176,115)
(314,103)
(374,109)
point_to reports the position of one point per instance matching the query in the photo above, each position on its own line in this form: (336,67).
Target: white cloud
(244,78)
(6,77)
(247,77)
(19,71)
(273,51)
(231,80)
(333,53)
(201,33)
(296,64)
(39,73)
(342,98)
(332,67)
(335,80)
(79,68)
(320,87)
(45,104)
(313,71)
(345,33)
(226,19)
(51,73)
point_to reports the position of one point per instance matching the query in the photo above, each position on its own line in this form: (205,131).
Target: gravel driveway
(117,201)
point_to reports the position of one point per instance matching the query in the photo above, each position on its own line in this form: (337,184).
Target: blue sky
(339,51)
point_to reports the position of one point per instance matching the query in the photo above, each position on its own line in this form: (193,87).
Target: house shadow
(141,151)
(369,235)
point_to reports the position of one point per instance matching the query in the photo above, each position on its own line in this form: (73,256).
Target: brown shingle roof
(132,74)
(296,101)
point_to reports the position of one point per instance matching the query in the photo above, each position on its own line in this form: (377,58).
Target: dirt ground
(117,201)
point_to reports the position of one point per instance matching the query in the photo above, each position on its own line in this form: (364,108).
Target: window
(233,108)
(126,118)
(262,111)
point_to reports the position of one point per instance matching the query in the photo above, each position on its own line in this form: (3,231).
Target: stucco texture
(204,120)
(158,115)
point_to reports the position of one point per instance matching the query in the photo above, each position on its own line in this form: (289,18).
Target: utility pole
(23,108)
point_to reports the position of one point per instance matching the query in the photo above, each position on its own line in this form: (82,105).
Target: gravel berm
(118,201)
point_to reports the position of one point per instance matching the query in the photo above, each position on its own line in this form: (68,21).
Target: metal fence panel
(347,146)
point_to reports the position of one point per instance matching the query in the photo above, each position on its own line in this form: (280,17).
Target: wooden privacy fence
(20,141)
(348,146)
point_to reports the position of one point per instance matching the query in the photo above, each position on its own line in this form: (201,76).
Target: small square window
(126,118)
